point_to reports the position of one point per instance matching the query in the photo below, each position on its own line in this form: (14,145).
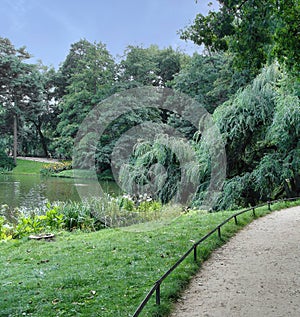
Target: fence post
(253,210)
(219,232)
(235,219)
(158,294)
(269,205)
(195,252)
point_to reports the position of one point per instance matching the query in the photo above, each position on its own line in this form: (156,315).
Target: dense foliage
(247,79)
(6,162)
(261,128)
(255,31)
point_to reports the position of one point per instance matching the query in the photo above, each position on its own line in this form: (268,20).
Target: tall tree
(140,67)
(86,78)
(41,109)
(13,83)
(261,127)
(149,66)
(210,80)
(256,31)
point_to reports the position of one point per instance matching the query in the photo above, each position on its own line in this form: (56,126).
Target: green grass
(86,174)
(106,273)
(27,167)
(77,173)
(33,167)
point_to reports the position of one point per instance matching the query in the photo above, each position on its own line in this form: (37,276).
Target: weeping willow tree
(152,139)
(171,167)
(282,167)
(163,166)
(261,128)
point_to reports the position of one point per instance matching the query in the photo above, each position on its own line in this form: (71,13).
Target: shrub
(5,229)
(6,162)
(126,202)
(77,215)
(51,219)
(91,215)
(147,204)
(54,168)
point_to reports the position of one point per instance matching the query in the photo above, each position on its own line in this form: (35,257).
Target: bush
(91,215)
(6,162)
(5,229)
(27,224)
(54,168)
(77,215)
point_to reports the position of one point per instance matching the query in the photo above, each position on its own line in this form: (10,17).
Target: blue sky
(48,27)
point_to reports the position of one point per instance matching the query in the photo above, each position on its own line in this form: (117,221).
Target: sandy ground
(257,273)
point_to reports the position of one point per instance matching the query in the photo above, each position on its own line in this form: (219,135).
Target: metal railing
(156,287)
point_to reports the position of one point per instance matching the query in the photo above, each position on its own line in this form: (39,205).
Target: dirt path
(257,273)
(38,159)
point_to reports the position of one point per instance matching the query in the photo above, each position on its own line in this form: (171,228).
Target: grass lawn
(106,273)
(77,173)
(28,167)
(34,167)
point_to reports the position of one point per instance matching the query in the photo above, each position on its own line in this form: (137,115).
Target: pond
(32,191)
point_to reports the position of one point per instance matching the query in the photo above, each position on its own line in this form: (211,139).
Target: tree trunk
(44,143)
(15,152)
(43,140)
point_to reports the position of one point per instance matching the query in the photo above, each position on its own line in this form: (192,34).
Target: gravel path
(38,159)
(257,273)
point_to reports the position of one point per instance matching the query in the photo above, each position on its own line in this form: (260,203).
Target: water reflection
(32,191)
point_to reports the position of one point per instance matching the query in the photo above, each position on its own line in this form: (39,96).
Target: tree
(28,105)
(287,36)
(41,110)
(149,66)
(140,67)
(284,135)
(261,127)
(210,80)
(13,83)
(255,31)
(85,79)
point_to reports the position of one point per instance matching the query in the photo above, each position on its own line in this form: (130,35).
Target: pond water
(32,191)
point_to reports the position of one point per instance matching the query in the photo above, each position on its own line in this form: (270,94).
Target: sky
(48,27)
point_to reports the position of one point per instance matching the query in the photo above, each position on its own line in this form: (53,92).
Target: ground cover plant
(108,272)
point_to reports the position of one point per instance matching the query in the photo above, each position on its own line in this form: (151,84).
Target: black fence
(156,287)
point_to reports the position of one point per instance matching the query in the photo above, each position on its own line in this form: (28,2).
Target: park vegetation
(247,78)
(108,272)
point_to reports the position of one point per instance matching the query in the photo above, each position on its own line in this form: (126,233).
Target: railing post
(219,232)
(158,294)
(253,211)
(235,219)
(195,252)
(269,205)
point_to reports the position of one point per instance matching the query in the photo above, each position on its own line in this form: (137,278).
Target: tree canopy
(255,31)
(245,83)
